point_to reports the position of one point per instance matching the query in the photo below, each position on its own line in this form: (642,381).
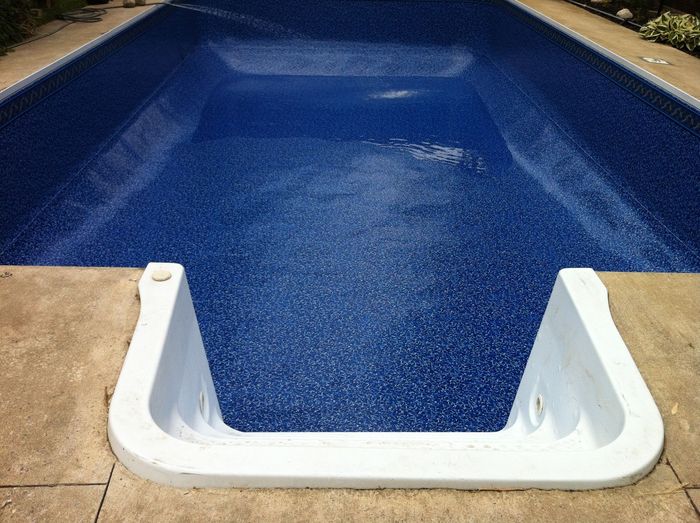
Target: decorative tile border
(675,109)
(36,91)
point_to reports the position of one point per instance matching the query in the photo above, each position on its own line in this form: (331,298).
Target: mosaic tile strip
(667,104)
(39,90)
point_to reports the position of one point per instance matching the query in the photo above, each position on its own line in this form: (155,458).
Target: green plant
(681,31)
(16,22)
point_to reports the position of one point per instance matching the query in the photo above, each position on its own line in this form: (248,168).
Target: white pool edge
(599,426)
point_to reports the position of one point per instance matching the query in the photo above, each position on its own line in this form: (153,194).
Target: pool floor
(370,242)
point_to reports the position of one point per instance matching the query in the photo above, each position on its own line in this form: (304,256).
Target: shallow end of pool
(583,417)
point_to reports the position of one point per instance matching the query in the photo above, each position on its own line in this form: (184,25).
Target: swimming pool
(372,199)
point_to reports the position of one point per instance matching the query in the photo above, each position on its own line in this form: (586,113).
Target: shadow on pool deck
(64,333)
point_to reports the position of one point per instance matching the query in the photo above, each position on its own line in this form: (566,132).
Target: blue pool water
(371,199)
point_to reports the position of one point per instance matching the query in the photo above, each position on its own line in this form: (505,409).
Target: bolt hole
(539,404)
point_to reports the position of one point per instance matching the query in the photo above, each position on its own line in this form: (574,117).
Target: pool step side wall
(583,417)
(565,386)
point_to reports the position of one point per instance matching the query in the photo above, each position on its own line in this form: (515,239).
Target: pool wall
(51,128)
(650,152)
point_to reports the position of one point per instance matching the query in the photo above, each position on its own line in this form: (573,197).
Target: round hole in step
(539,404)
(201,402)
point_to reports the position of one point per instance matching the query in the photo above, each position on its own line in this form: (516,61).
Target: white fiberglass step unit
(582,418)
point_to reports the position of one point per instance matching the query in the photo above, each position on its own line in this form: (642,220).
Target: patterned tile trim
(37,91)
(666,103)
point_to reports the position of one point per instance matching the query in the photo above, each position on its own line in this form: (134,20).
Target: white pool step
(582,418)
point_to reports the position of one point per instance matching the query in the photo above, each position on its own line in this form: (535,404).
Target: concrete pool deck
(64,333)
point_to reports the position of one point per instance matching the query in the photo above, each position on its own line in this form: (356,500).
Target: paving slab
(683,70)
(656,498)
(63,336)
(658,316)
(55,504)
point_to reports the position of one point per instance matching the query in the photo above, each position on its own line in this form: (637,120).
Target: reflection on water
(394,94)
(431,119)
(435,152)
